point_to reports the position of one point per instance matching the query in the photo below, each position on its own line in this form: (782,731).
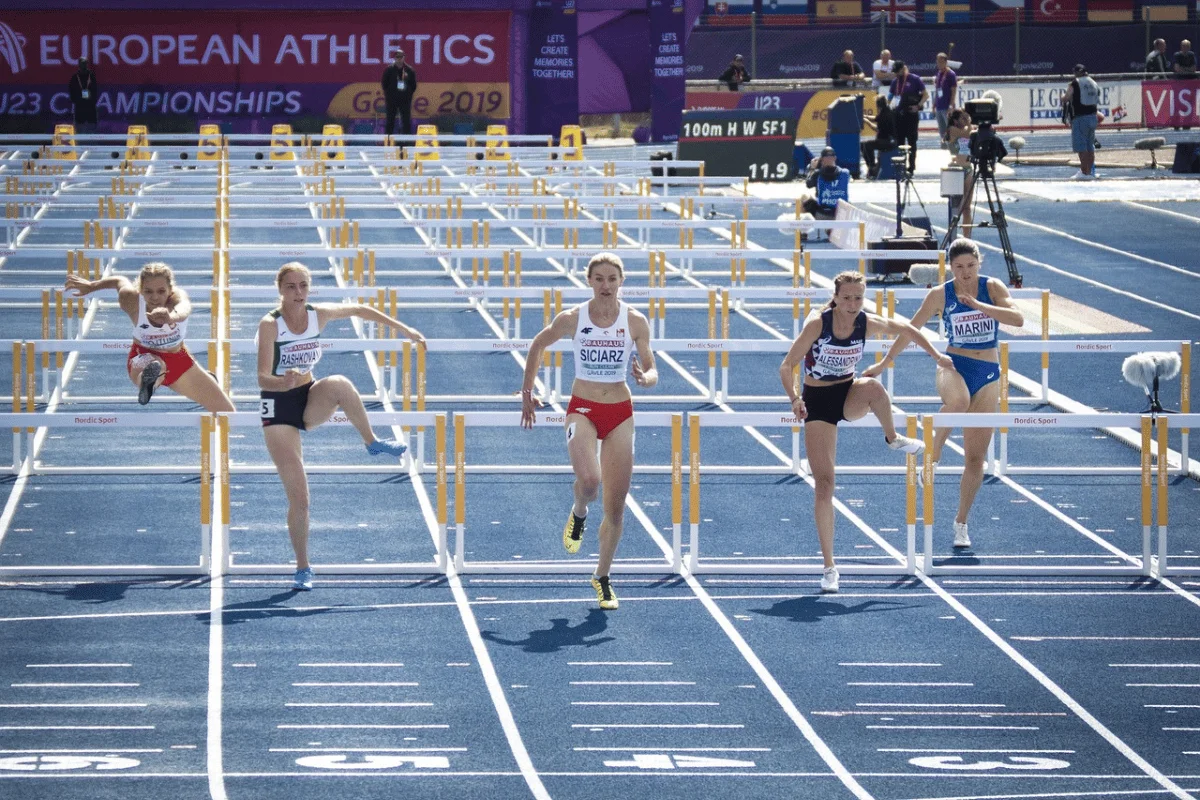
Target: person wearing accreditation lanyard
(604,331)
(289,346)
(159,311)
(972,308)
(830,345)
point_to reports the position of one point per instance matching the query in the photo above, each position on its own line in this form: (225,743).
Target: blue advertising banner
(669,83)
(552,89)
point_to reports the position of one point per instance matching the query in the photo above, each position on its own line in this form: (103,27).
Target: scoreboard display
(740,143)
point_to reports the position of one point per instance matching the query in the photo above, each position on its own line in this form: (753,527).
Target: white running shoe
(961,538)
(1079,176)
(829,580)
(906,444)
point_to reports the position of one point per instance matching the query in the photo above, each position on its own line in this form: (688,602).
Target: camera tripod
(904,188)
(985,173)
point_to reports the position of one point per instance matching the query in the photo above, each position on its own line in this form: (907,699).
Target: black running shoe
(150,376)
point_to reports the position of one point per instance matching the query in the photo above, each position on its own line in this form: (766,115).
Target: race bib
(301,355)
(972,327)
(837,360)
(266,408)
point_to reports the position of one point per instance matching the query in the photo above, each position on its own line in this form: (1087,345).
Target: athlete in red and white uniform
(605,332)
(159,311)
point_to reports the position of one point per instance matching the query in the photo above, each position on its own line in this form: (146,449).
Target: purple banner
(552,88)
(670,79)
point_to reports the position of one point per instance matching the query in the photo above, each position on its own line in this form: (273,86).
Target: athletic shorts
(826,403)
(605,417)
(284,408)
(975,372)
(177,361)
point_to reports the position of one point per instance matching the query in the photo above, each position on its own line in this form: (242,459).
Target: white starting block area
(495,225)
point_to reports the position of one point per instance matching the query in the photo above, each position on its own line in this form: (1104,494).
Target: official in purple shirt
(945,95)
(908,94)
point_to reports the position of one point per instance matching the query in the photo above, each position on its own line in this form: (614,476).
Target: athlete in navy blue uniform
(972,307)
(830,346)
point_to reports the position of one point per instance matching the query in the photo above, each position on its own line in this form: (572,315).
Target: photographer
(908,95)
(831,182)
(735,74)
(884,125)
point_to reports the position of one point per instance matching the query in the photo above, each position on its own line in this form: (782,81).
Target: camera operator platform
(986,149)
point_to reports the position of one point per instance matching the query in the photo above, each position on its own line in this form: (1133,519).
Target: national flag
(894,11)
(1000,11)
(1054,10)
(838,10)
(1164,11)
(941,11)
(1110,10)
(777,10)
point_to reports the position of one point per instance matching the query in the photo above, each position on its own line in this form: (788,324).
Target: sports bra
(298,351)
(831,358)
(153,337)
(602,354)
(966,327)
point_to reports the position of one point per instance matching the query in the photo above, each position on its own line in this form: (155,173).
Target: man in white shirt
(881,70)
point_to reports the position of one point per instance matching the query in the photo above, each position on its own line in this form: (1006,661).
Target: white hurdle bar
(205,426)
(1164,422)
(439,562)
(1143,566)
(511,419)
(753,420)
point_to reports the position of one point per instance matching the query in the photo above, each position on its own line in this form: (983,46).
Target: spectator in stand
(884,125)
(881,72)
(847,71)
(84,93)
(735,74)
(1083,96)
(1156,60)
(945,97)
(1184,62)
(399,85)
(908,95)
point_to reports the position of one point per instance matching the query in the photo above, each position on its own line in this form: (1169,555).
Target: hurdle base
(998,569)
(897,569)
(560,568)
(113,570)
(407,568)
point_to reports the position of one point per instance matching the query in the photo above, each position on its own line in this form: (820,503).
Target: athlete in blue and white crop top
(967,327)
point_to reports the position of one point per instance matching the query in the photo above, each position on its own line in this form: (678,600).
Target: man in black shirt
(885,136)
(1156,60)
(84,93)
(846,71)
(735,74)
(399,85)
(1184,61)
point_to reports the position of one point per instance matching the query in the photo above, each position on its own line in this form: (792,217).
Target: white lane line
(1107,794)
(1106,638)
(71,685)
(886,664)
(961,750)
(936,705)
(685,725)
(619,663)
(359,705)
(952,727)
(644,703)
(1166,685)
(891,713)
(632,683)
(1189,730)
(1168,212)
(74,666)
(88,750)
(367,749)
(356,663)
(353,726)
(357,683)
(665,749)
(73,705)
(1169,705)
(76,727)
(1158,666)
(1104,247)
(907,683)
(214,756)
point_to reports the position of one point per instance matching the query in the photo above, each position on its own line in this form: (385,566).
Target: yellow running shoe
(605,593)
(573,532)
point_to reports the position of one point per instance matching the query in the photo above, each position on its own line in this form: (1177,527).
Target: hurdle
(464,420)
(751,421)
(205,427)
(1143,566)
(1162,424)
